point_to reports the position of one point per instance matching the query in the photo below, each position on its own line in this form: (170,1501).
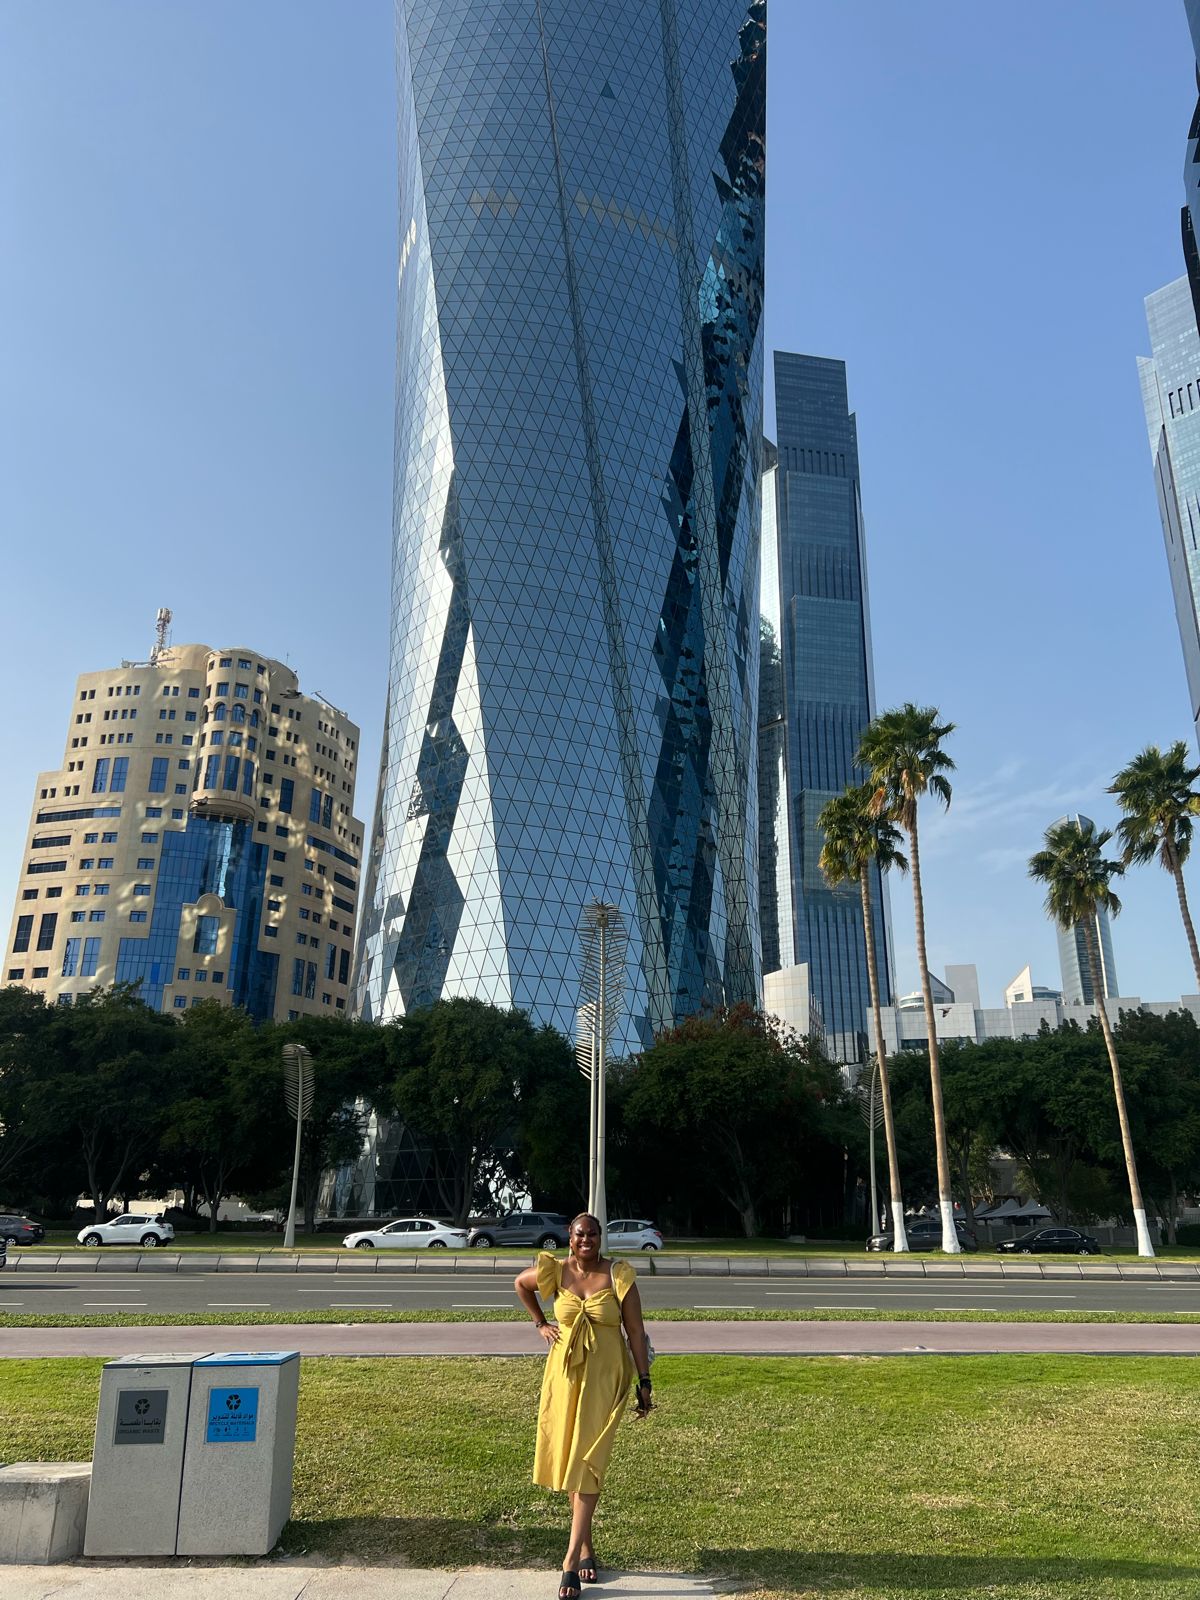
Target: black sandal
(568,1588)
(588,1570)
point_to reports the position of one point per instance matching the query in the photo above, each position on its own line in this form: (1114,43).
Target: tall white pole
(593,1090)
(599,1205)
(289,1233)
(871,1143)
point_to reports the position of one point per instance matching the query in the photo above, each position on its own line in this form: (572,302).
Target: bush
(1188,1233)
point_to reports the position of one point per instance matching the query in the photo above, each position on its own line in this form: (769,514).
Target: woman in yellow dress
(589,1370)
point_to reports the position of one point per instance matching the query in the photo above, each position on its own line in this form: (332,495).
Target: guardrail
(475,1264)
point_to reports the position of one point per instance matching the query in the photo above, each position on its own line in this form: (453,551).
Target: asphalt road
(93,1293)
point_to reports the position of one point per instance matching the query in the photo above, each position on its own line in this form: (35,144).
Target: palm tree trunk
(899,1237)
(1185,913)
(950,1242)
(1145,1248)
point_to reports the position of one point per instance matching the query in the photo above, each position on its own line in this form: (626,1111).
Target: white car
(628,1233)
(408,1233)
(148,1232)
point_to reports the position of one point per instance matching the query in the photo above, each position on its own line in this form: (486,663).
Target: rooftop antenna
(162,633)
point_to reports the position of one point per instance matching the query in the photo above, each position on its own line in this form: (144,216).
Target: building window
(149,838)
(70,958)
(330,960)
(79,916)
(46,929)
(120,770)
(137,916)
(211,768)
(24,932)
(100,775)
(180,1002)
(218,977)
(298,975)
(233,767)
(314,806)
(310,981)
(101,888)
(159,768)
(270,933)
(96,916)
(106,863)
(141,888)
(15,974)
(91,958)
(41,972)
(145,863)
(183,975)
(207,930)
(344,967)
(32,894)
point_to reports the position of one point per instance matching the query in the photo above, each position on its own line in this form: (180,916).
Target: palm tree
(902,753)
(854,838)
(1155,792)
(1078,883)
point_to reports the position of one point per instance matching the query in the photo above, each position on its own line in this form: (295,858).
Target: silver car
(408,1233)
(629,1233)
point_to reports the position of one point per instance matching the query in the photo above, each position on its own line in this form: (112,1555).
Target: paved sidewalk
(670,1338)
(281,1580)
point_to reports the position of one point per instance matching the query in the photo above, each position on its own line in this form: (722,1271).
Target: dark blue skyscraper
(572,692)
(817,693)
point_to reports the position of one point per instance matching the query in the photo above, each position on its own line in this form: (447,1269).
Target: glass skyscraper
(1074,963)
(1170,378)
(816,695)
(572,698)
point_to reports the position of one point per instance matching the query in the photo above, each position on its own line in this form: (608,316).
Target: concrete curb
(475,1264)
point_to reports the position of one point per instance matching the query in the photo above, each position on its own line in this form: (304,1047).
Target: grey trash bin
(137,1462)
(241,1441)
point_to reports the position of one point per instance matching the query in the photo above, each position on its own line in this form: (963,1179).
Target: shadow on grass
(424,1541)
(833,1572)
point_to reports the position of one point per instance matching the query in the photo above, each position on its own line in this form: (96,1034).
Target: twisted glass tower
(572,693)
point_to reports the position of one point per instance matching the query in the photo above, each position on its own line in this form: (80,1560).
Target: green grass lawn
(1018,1477)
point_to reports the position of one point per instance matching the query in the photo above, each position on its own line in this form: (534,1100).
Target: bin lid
(159,1358)
(248,1358)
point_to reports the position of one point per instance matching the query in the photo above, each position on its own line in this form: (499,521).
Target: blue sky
(966,203)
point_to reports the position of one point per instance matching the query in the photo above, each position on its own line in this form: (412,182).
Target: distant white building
(958,1014)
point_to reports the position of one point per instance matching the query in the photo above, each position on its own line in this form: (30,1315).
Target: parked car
(20,1230)
(545,1229)
(148,1232)
(3,1254)
(1057,1241)
(924,1233)
(627,1233)
(408,1233)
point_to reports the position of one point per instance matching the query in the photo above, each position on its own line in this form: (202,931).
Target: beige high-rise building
(199,840)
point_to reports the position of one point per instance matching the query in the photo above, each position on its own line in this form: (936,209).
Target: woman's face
(585,1240)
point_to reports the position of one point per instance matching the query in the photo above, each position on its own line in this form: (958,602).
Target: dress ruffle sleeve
(549,1275)
(623,1277)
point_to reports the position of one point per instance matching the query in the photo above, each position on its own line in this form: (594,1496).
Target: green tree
(903,755)
(1157,794)
(856,837)
(223,1132)
(1078,881)
(1166,1098)
(461,1068)
(108,1088)
(739,1097)
(29,1050)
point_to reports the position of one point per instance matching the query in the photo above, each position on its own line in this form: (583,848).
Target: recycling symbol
(141,1407)
(233,1402)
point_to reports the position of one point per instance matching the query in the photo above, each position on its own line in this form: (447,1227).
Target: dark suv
(545,1229)
(20,1230)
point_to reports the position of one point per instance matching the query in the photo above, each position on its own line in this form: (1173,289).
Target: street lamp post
(299,1084)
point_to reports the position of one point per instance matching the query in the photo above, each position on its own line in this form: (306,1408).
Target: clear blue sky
(966,203)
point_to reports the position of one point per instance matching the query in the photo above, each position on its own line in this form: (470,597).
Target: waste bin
(241,1440)
(137,1461)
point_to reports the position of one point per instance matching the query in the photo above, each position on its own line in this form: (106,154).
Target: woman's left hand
(644,1403)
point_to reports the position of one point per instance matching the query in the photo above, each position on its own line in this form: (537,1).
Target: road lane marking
(360,1305)
(844,1306)
(474,1305)
(725,1307)
(239,1305)
(110,1303)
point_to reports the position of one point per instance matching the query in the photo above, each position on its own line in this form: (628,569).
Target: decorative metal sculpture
(603,942)
(299,1086)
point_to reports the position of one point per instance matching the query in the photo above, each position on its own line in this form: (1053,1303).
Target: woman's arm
(635,1329)
(525,1283)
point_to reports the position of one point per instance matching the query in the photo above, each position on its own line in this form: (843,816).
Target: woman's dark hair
(585,1216)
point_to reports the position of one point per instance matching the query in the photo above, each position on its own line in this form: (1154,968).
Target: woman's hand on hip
(549,1332)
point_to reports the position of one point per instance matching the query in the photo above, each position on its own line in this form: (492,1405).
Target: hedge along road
(93,1285)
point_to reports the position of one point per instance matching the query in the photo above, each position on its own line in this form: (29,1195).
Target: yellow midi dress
(588,1378)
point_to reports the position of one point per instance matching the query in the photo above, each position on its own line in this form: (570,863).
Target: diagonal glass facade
(817,693)
(572,698)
